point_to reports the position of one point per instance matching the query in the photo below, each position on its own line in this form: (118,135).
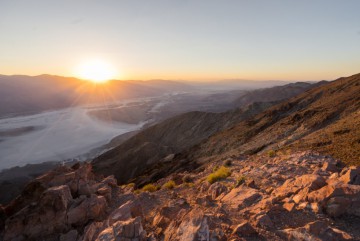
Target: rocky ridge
(175,135)
(285,196)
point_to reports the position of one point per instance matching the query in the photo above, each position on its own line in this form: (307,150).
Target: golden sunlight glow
(97,71)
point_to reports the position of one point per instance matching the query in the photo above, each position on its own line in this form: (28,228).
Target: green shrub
(169,185)
(271,153)
(228,163)
(221,173)
(187,179)
(240,180)
(150,188)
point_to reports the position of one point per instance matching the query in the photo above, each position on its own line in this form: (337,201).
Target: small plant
(240,180)
(130,185)
(228,163)
(170,185)
(137,191)
(187,179)
(215,168)
(271,153)
(150,188)
(221,173)
(189,184)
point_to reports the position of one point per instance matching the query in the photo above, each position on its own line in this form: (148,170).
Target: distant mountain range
(21,94)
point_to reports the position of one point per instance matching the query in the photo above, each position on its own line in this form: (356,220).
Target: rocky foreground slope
(288,196)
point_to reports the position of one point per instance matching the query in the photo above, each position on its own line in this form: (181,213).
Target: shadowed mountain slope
(181,132)
(171,136)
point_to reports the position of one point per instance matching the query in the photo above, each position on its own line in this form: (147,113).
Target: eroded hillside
(324,119)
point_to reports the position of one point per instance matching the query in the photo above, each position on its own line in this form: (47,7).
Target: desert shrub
(221,173)
(187,179)
(137,191)
(150,188)
(271,153)
(169,185)
(215,168)
(130,184)
(240,180)
(189,184)
(228,163)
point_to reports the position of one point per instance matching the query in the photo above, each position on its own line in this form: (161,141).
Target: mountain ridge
(178,133)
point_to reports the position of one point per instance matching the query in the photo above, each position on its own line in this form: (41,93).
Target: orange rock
(350,175)
(242,196)
(289,206)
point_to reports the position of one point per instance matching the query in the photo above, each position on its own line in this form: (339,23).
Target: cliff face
(290,196)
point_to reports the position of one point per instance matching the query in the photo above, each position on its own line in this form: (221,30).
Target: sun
(97,71)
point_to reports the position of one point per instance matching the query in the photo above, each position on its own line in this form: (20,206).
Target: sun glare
(97,71)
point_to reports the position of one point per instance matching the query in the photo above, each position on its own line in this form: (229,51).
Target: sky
(183,39)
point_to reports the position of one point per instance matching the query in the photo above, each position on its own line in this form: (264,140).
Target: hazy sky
(183,39)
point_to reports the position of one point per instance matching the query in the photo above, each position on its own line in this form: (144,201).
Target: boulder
(290,187)
(242,196)
(338,199)
(216,189)
(264,221)
(62,179)
(130,209)
(244,230)
(106,192)
(92,230)
(317,230)
(193,227)
(329,167)
(56,197)
(110,181)
(130,230)
(86,208)
(44,218)
(337,206)
(289,206)
(84,172)
(84,188)
(351,175)
(204,200)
